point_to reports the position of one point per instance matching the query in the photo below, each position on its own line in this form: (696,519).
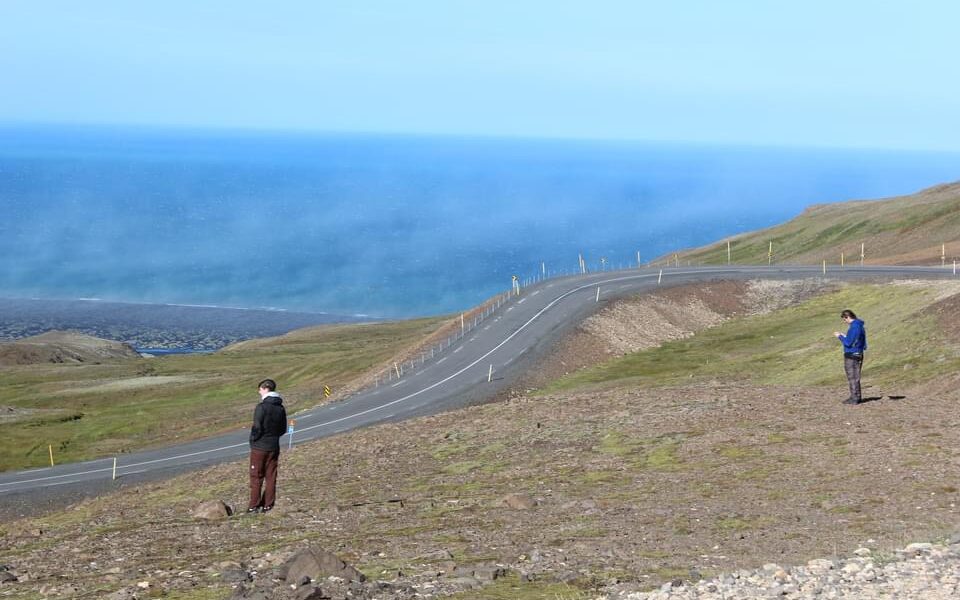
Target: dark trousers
(853,364)
(263,476)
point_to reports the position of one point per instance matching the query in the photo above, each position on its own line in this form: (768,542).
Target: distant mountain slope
(64,347)
(906,230)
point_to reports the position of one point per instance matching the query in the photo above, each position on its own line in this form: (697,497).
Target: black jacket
(269,423)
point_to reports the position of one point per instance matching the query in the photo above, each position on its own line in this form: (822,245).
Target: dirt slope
(648,320)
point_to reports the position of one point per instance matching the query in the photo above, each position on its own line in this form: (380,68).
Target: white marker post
(824,266)
(862,253)
(728,252)
(114,468)
(543,269)
(290,425)
(598,293)
(943,255)
(396,368)
(841,259)
(639,264)
(659,277)
(770,254)
(490,374)
(462,326)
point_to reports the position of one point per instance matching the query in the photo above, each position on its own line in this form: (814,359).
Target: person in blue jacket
(854,345)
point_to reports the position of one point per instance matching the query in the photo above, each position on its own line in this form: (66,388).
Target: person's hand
(837,334)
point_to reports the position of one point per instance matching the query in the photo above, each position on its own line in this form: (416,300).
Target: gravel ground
(613,493)
(919,571)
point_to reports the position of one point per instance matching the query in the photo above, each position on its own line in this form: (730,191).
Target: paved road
(509,340)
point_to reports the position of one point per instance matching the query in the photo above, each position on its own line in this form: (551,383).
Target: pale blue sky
(851,73)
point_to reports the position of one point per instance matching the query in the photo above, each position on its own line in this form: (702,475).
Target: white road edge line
(550,305)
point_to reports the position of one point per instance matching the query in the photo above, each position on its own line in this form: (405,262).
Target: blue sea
(386,226)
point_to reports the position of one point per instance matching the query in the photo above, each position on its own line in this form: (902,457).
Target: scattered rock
(518,501)
(235,575)
(127,593)
(317,564)
(312,593)
(467,583)
(927,572)
(480,572)
(212,510)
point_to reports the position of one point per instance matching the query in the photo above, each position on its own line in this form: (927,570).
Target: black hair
(848,313)
(268,384)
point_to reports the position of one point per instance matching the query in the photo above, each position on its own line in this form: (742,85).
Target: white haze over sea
(389,226)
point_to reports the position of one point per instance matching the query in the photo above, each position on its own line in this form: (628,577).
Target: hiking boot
(254,510)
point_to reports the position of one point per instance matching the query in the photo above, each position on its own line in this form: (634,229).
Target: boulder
(318,564)
(212,510)
(518,501)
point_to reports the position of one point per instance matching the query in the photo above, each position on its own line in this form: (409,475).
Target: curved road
(509,340)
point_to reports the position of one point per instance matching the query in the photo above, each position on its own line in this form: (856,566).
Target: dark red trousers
(263,477)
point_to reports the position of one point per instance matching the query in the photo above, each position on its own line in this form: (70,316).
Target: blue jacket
(856,338)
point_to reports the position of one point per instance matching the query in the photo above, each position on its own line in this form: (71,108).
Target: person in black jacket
(269,423)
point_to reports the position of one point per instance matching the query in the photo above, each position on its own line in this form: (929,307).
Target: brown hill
(63,347)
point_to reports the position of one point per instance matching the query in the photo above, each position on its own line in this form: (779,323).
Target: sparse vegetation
(795,346)
(87,410)
(905,230)
(631,476)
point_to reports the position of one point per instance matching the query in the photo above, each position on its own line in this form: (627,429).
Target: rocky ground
(919,571)
(586,494)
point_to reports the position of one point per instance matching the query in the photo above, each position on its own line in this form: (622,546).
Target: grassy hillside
(90,410)
(795,346)
(904,230)
(64,347)
(634,484)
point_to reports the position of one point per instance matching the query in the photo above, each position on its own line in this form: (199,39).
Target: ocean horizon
(385,225)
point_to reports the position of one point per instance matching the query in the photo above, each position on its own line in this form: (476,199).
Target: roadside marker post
(50,447)
(862,253)
(639,264)
(326,391)
(114,468)
(824,266)
(290,426)
(728,252)
(841,259)
(598,293)
(943,255)
(490,374)
(660,276)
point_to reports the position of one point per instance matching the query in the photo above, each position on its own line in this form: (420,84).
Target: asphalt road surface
(469,369)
